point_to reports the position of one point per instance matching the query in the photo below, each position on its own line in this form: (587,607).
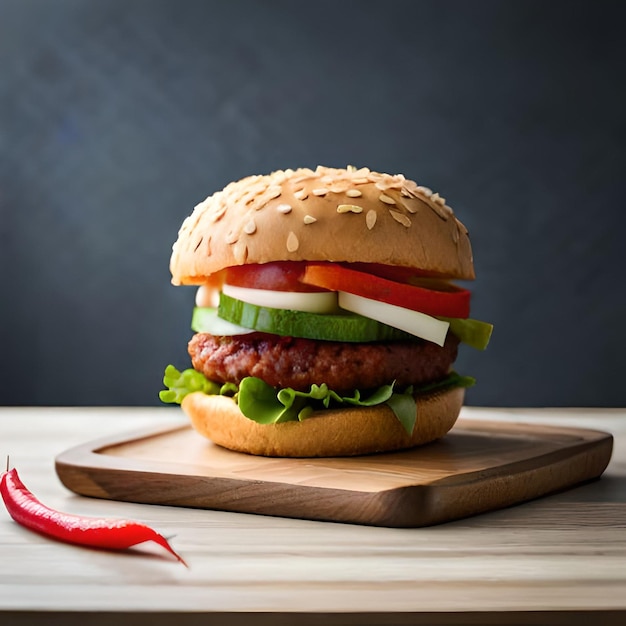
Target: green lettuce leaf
(262,403)
(179,384)
(405,409)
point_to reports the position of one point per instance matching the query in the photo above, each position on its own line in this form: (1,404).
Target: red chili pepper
(95,532)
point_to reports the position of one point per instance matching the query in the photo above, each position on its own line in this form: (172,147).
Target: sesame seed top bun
(326,214)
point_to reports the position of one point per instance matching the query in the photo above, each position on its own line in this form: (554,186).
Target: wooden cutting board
(479,466)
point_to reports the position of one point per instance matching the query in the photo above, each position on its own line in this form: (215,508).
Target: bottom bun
(335,432)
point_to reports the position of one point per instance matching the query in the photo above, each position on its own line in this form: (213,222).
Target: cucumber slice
(472,332)
(327,327)
(205,320)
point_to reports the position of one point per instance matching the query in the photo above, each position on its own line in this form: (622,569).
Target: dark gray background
(117,117)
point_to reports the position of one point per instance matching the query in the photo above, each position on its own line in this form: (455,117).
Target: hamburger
(327,321)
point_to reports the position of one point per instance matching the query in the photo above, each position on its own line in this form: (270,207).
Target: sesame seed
(349,208)
(440,210)
(320,191)
(425,191)
(339,187)
(309,219)
(274,192)
(410,206)
(360,181)
(401,218)
(292,242)
(370,219)
(259,188)
(354,193)
(218,214)
(250,228)
(284,208)
(278,176)
(438,199)
(231,237)
(301,194)
(247,197)
(386,199)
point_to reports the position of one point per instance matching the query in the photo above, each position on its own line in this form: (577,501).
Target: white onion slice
(308,301)
(207,296)
(418,324)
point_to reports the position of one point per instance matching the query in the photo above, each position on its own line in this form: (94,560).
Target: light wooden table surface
(553,560)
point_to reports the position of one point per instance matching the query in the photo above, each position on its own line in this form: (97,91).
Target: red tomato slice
(275,276)
(393,272)
(447,300)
